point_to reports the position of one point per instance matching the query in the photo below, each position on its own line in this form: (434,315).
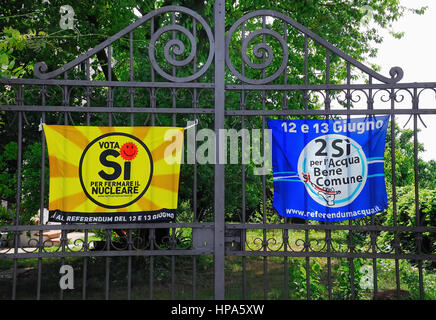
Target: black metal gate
(246,245)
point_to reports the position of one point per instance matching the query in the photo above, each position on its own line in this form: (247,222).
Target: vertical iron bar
(394,199)
(85,241)
(373,236)
(285,239)
(132,76)
(327,107)
(219,180)
(265,241)
(329,263)
(41,199)
(194,187)
(129,266)
(285,72)
(152,90)
(264,220)
(151,232)
(417,211)
(350,222)
(107,278)
(88,90)
(85,265)
(307,264)
(194,277)
(151,236)
(65,99)
(305,102)
(243,213)
(306,71)
(66,102)
(63,240)
(109,89)
(174,73)
(174,103)
(20,102)
(173,270)
(132,123)
(327,80)
(109,231)
(285,220)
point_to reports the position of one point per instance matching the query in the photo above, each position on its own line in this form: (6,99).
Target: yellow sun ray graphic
(68,203)
(141,132)
(105,130)
(62,169)
(147,205)
(159,152)
(168,182)
(73,135)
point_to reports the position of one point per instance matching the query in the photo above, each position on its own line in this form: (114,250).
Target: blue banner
(329,170)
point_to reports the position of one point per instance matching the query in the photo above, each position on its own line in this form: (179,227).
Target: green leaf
(4,60)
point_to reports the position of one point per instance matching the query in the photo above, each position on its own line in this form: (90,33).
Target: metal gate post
(219,253)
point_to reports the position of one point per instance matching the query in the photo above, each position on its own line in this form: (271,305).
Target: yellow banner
(113,174)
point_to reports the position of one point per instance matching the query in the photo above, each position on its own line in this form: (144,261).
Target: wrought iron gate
(276,86)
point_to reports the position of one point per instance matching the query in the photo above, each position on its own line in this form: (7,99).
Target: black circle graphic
(83,156)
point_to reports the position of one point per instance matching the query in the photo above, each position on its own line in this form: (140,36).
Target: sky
(415,53)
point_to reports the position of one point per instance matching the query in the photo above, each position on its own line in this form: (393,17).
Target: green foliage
(271,216)
(406,215)
(318,286)
(427,174)
(30,178)
(404,160)
(8,159)
(6,216)
(410,276)
(342,273)
(11,42)
(184,212)
(297,280)
(31,181)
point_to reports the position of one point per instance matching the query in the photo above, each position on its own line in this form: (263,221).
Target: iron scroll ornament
(259,50)
(40,68)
